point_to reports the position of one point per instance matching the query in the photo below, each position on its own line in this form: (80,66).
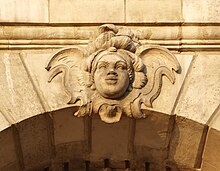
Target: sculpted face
(111,76)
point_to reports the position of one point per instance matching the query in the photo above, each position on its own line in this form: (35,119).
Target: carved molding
(180,37)
(114,75)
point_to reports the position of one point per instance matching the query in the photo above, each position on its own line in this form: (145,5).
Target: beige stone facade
(37,128)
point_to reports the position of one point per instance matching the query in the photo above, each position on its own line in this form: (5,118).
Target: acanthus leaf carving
(114,74)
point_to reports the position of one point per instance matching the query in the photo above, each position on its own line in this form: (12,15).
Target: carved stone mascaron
(114,74)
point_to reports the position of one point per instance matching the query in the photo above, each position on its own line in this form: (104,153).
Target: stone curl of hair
(111,37)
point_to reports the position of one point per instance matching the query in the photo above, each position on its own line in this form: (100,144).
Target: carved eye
(102,65)
(121,66)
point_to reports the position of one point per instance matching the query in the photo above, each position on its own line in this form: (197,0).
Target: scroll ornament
(114,74)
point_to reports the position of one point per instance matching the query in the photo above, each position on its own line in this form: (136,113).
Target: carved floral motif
(114,74)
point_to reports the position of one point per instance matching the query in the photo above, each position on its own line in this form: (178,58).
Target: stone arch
(37,126)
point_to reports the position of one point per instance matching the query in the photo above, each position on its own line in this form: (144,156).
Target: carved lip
(111,79)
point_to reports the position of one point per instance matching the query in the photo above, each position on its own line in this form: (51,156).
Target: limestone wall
(184,129)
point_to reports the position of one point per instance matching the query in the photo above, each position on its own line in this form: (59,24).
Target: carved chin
(110,113)
(111,82)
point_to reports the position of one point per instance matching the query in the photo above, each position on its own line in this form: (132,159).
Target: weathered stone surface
(70,151)
(151,140)
(84,11)
(52,95)
(215,120)
(67,128)
(8,149)
(152,131)
(34,34)
(110,140)
(186,143)
(208,167)
(211,156)
(69,135)
(201,93)
(38,37)
(154,157)
(138,11)
(200,33)
(169,92)
(10,167)
(35,138)
(195,11)
(157,33)
(4,123)
(18,100)
(24,11)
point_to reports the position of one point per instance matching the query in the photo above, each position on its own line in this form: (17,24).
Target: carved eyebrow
(103,62)
(118,62)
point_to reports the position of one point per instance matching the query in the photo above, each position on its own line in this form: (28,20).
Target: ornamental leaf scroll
(114,74)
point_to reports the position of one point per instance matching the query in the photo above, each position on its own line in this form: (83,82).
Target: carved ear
(159,61)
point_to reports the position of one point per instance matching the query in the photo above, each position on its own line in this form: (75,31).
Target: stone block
(35,139)
(139,11)
(154,157)
(211,156)
(8,157)
(152,131)
(4,123)
(110,141)
(67,128)
(156,33)
(18,99)
(50,34)
(52,94)
(200,33)
(10,167)
(215,120)
(201,11)
(201,93)
(70,151)
(151,140)
(208,167)
(187,143)
(30,11)
(169,92)
(84,11)
(69,136)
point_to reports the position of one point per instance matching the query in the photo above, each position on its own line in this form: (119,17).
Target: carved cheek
(99,73)
(123,75)
(99,78)
(123,80)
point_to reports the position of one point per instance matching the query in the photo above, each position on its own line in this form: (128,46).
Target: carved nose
(112,72)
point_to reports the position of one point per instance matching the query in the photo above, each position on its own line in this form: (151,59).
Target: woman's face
(111,76)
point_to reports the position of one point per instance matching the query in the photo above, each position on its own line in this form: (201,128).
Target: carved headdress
(129,73)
